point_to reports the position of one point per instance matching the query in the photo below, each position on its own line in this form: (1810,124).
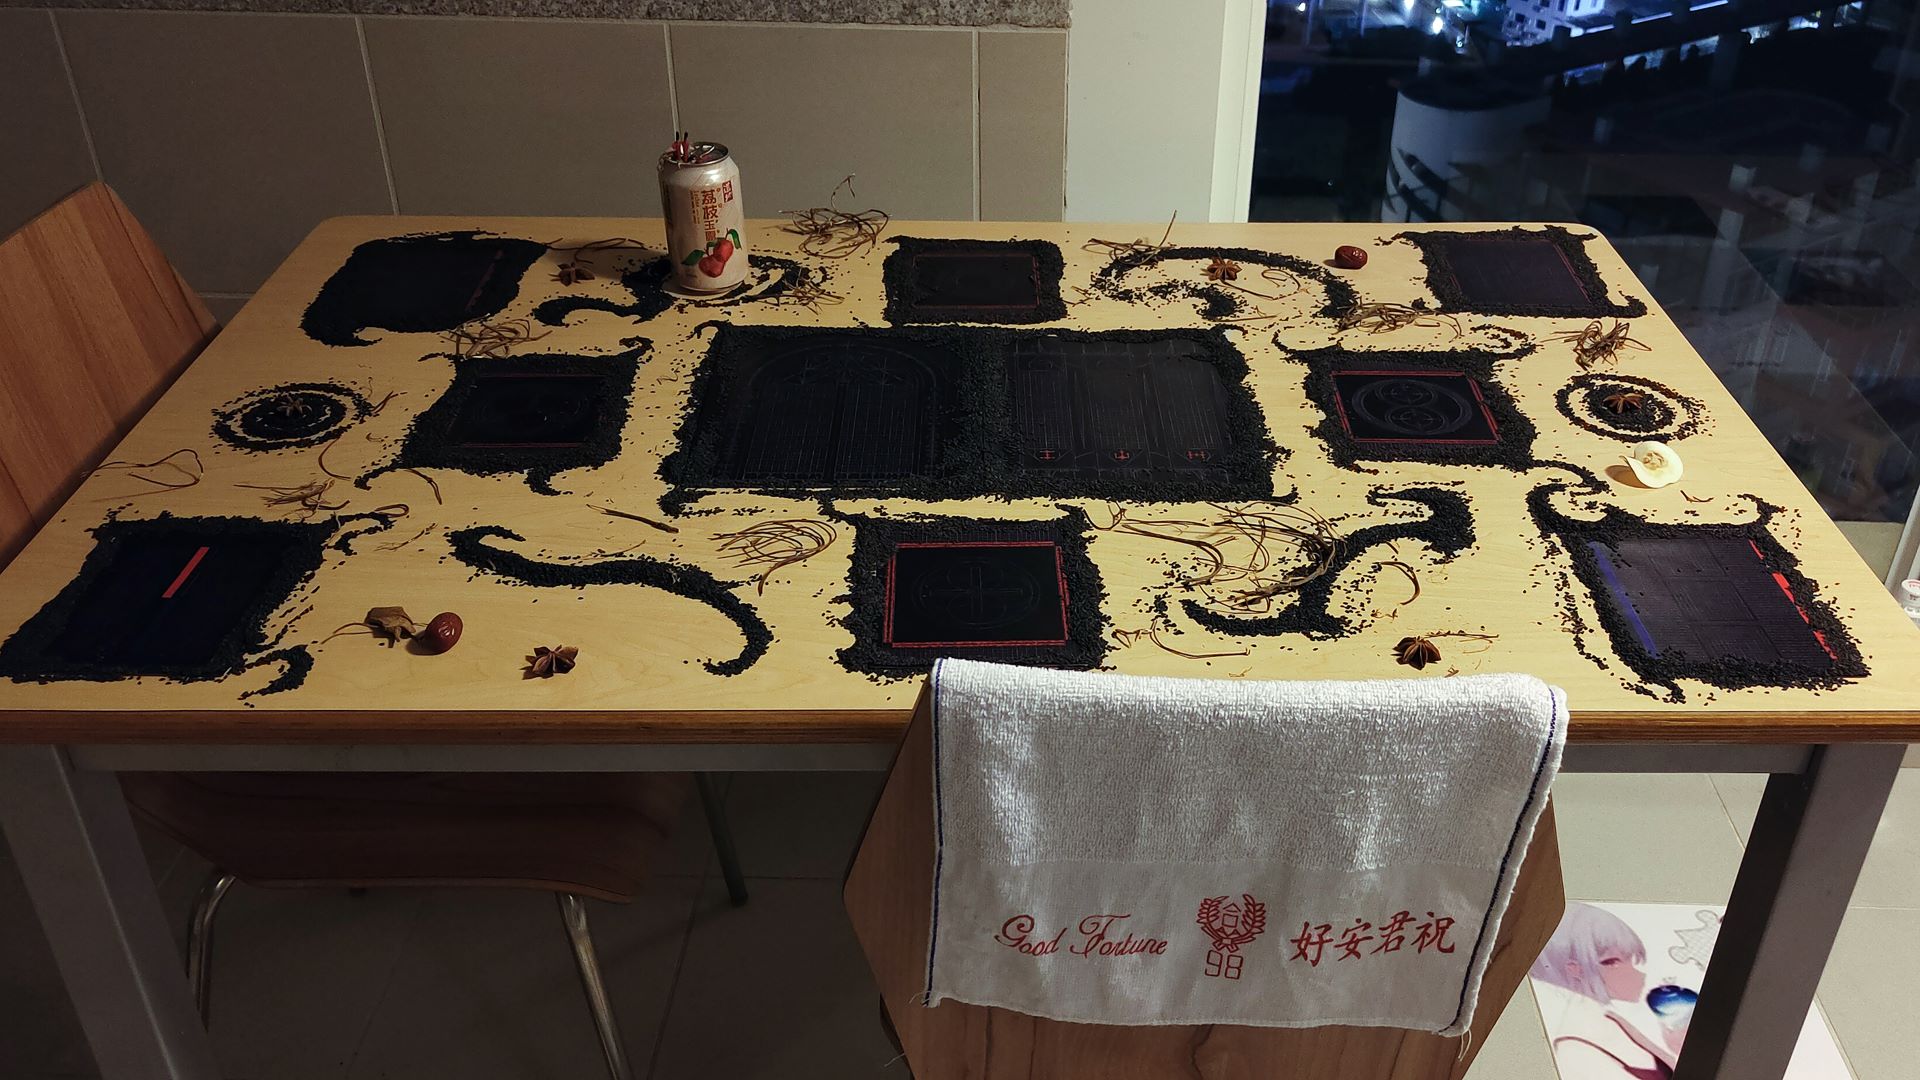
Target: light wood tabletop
(640,675)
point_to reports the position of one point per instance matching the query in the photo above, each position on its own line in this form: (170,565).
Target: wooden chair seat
(592,834)
(887,897)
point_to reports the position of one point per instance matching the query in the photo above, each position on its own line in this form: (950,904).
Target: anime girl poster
(1617,985)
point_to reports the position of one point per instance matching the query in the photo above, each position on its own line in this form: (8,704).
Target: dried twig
(1130,247)
(395,546)
(1594,345)
(1126,638)
(1411,576)
(1249,554)
(492,338)
(1695,498)
(1383,317)
(774,545)
(611,512)
(191,476)
(310,497)
(431,482)
(829,232)
(576,266)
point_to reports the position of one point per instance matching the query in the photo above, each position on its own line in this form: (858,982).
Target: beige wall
(231,135)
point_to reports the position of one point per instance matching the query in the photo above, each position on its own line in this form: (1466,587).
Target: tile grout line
(977,91)
(673,92)
(73,88)
(379,125)
(679,965)
(386,987)
(1727,811)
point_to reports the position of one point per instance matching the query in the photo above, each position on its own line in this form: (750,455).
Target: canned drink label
(705,225)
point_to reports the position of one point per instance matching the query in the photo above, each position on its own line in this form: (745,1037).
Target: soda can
(706,224)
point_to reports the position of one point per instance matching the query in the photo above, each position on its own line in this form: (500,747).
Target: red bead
(1348,257)
(443,633)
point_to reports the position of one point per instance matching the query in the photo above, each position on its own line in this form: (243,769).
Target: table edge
(796,727)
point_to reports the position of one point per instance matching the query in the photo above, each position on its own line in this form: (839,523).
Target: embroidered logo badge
(1231,924)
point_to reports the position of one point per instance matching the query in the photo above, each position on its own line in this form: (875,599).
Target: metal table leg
(1805,852)
(74,841)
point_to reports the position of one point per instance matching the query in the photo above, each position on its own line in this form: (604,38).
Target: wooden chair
(94,326)
(887,893)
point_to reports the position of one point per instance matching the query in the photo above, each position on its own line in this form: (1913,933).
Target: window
(1785,256)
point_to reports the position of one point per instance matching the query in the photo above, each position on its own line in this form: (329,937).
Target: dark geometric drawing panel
(976,595)
(185,598)
(955,412)
(1525,272)
(418,284)
(1694,600)
(289,416)
(1443,407)
(1003,281)
(527,410)
(1544,272)
(1020,592)
(1723,604)
(537,414)
(1119,409)
(1439,407)
(837,409)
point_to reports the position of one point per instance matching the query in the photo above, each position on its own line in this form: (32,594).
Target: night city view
(1753,160)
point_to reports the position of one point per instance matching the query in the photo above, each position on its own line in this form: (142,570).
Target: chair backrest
(94,326)
(887,895)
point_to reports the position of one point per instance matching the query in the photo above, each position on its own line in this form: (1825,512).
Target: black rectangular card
(1699,599)
(1444,408)
(976,595)
(997,281)
(180,597)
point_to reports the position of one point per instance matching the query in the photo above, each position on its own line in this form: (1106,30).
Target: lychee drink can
(706,222)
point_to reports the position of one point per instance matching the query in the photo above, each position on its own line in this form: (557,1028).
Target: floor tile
(1740,794)
(1516,1047)
(1864,992)
(485,986)
(39,1033)
(297,974)
(775,990)
(1891,877)
(800,824)
(1647,837)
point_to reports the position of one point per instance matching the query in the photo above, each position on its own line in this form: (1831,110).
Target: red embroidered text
(1231,924)
(1096,938)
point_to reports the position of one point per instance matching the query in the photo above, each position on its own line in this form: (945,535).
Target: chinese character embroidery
(1352,938)
(1393,932)
(1230,924)
(1312,942)
(1433,933)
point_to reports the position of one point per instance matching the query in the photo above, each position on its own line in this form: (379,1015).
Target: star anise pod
(1416,652)
(1222,269)
(1625,401)
(289,406)
(546,663)
(571,272)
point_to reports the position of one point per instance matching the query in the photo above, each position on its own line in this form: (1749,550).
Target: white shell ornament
(1655,464)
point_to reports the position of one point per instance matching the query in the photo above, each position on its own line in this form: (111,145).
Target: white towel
(1124,850)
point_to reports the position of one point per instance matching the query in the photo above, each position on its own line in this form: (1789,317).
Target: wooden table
(640,698)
